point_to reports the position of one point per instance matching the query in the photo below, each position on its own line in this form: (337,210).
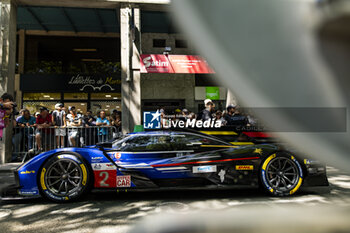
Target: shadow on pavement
(98,211)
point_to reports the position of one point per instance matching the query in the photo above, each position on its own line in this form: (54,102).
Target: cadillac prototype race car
(166,160)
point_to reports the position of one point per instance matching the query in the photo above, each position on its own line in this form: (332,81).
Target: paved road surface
(118,212)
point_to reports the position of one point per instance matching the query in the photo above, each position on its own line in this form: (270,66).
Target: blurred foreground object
(280,54)
(251,219)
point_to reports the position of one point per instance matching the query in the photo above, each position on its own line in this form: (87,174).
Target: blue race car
(165,160)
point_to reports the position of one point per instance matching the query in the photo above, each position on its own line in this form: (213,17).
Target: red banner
(179,64)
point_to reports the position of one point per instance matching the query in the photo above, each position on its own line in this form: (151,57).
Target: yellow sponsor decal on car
(28,172)
(244,167)
(241,143)
(42,180)
(219,132)
(84,174)
(296,187)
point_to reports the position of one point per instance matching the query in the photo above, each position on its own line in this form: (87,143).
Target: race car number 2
(105,179)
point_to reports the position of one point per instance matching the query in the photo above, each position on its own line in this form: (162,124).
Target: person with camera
(207,113)
(7,106)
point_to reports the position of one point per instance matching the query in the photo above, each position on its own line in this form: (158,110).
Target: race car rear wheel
(281,174)
(64,177)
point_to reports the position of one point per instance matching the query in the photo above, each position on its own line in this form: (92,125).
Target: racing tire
(281,174)
(64,177)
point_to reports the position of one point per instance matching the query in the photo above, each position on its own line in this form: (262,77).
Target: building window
(159,43)
(180,43)
(108,101)
(75,96)
(105,96)
(107,106)
(71,55)
(81,107)
(34,106)
(41,96)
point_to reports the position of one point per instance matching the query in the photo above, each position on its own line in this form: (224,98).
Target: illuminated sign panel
(178,64)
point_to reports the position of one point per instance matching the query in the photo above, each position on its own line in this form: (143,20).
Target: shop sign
(90,82)
(71,82)
(212,93)
(155,63)
(153,120)
(179,64)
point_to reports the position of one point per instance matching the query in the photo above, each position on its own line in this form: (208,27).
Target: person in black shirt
(116,120)
(184,115)
(207,113)
(89,119)
(234,117)
(89,132)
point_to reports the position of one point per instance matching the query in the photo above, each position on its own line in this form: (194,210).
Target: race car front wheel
(64,177)
(281,174)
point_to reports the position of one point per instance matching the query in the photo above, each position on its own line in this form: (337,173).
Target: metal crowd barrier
(27,138)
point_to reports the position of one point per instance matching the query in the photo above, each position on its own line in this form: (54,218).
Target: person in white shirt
(59,121)
(73,121)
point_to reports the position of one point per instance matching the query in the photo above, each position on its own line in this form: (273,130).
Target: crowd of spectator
(229,117)
(62,127)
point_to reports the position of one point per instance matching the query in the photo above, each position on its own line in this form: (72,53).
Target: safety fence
(44,139)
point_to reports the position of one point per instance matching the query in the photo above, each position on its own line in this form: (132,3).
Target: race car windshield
(119,142)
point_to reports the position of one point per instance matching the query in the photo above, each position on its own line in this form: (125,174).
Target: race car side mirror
(101,146)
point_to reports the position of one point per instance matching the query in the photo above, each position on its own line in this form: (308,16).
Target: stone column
(8,26)
(21,58)
(130,37)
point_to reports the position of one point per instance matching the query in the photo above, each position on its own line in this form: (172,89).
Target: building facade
(87,54)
